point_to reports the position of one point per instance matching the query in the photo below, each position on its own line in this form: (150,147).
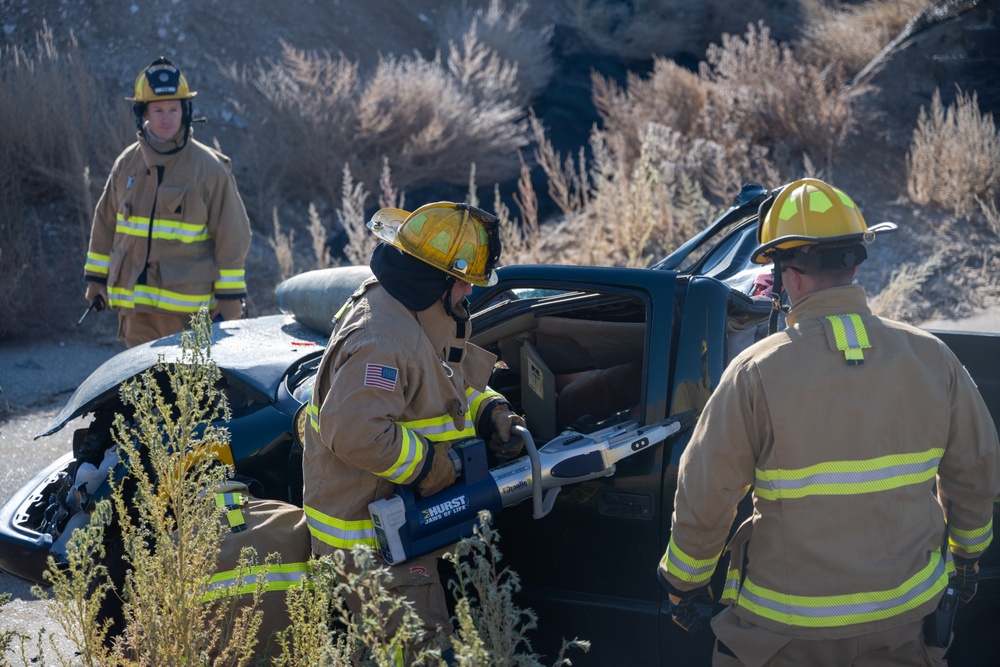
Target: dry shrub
(848,36)
(671,95)
(895,301)
(431,127)
(954,157)
(753,105)
(55,131)
(428,119)
(498,44)
(621,213)
(763,91)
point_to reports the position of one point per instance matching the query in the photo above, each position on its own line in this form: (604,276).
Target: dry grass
(894,302)
(429,119)
(55,132)
(755,108)
(765,92)
(954,159)
(499,44)
(847,36)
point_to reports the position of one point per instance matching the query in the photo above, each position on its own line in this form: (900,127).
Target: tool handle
(97,304)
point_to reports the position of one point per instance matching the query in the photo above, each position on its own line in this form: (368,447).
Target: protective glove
(228,310)
(966,579)
(442,473)
(504,443)
(691,610)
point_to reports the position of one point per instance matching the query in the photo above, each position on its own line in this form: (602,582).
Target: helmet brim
(762,253)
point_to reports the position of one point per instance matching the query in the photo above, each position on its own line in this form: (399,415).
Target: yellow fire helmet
(806,212)
(161,81)
(459,239)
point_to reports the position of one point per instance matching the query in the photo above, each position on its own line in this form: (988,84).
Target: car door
(588,568)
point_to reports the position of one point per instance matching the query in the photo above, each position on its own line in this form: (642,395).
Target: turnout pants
(742,644)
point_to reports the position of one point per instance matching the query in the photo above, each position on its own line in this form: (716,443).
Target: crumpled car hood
(255,352)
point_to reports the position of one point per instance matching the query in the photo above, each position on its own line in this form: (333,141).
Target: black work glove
(966,579)
(692,610)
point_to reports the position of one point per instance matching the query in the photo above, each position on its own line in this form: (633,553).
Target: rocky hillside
(118,38)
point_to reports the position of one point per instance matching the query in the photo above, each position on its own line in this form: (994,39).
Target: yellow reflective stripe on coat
(478,398)
(848,478)
(411,453)
(850,336)
(278,577)
(163,230)
(440,429)
(687,568)
(157,298)
(971,541)
(338,532)
(312,410)
(231,279)
(97,263)
(827,611)
(185,232)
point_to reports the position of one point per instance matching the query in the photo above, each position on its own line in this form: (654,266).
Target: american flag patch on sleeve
(383,377)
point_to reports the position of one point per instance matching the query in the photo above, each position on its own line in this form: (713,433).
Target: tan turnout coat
(843,459)
(391,383)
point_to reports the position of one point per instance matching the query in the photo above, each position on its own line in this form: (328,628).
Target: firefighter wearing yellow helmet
(400,382)
(856,435)
(170,232)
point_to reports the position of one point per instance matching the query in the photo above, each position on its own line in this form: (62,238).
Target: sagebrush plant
(846,36)
(168,526)
(754,108)
(954,157)
(895,300)
(492,629)
(59,135)
(498,43)
(428,117)
(621,212)
(325,630)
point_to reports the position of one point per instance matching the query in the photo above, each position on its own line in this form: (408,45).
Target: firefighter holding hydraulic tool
(399,383)
(872,457)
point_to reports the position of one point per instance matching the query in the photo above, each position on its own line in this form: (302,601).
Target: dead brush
(954,157)
(767,93)
(516,51)
(431,119)
(846,37)
(169,527)
(56,129)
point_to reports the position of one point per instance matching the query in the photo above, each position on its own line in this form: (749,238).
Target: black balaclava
(414,283)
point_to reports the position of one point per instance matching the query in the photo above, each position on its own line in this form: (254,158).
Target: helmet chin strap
(772,320)
(461,319)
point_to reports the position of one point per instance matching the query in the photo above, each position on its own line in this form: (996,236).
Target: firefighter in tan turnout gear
(859,436)
(170,231)
(399,383)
